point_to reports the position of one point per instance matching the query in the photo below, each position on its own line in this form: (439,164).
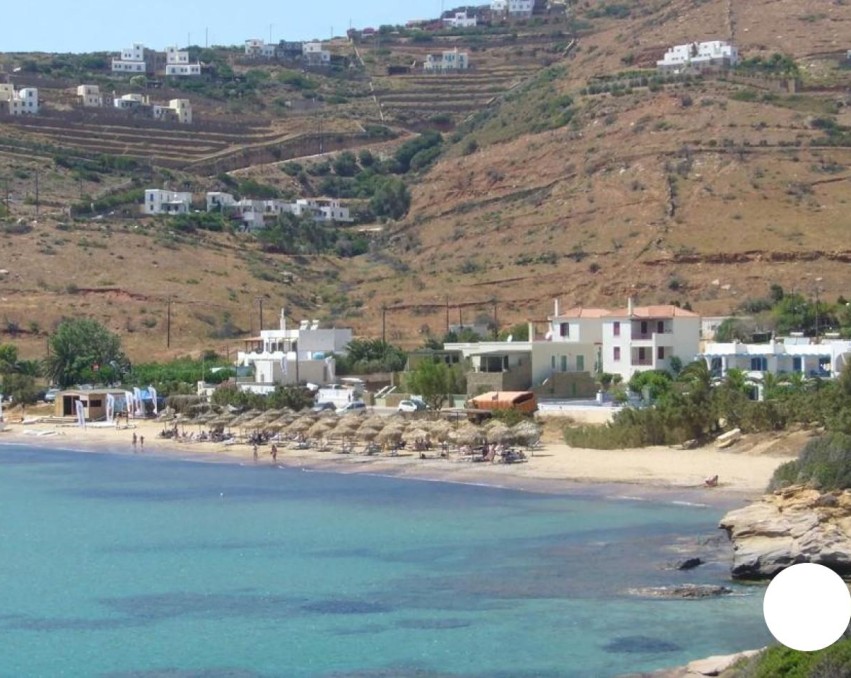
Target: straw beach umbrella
(390,434)
(467,434)
(499,432)
(527,433)
(414,434)
(320,429)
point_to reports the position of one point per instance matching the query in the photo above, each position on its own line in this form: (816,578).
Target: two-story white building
(177,63)
(640,338)
(158,201)
(292,355)
(314,54)
(699,55)
(131,101)
(449,60)
(460,20)
(89,96)
(256,48)
(19,102)
(132,60)
(516,9)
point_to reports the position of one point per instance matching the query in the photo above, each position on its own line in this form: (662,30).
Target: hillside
(566,171)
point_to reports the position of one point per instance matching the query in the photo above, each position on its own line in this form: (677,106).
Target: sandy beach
(744,469)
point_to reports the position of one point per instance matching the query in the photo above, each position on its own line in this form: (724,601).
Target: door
(580,363)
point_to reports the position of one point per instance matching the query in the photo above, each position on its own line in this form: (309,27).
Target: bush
(825,464)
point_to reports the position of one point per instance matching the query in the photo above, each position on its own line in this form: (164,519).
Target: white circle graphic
(807,607)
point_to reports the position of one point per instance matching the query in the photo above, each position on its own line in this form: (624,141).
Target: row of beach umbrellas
(383,429)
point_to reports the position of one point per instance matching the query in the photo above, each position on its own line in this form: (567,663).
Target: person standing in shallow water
(141,443)
(255,453)
(134,441)
(274,453)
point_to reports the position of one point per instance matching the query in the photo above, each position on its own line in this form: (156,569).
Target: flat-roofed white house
(89,96)
(159,201)
(449,60)
(177,63)
(321,209)
(257,49)
(132,60)
(19,102)
(314,54)
(460,20)
(516,9)
(292,355)
(216,200)
(699,55)
(640,338)
(786,355)
(127,102)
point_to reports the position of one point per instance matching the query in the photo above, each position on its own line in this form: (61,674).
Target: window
(643,327)
(759,364)
(564,363)
(617,329)
(660,326)
(642,355)
(617,353)
(796,363)
(580,363)
(565,329)
(660,353)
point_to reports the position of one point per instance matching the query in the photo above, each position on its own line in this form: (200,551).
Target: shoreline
(632,474)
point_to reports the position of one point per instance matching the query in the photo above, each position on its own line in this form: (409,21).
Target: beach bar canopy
(94,402)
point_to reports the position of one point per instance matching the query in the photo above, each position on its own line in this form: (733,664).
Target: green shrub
(825,463)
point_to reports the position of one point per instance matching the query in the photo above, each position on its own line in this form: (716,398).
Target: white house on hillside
(450,60)
(158,201)
(291,356)
(460,20)
(130,101)
(90,96)
(321,209)
(314,54)
(21,102)
(177,63)
(699,55)
(516,9)
(132,60)
(257,49)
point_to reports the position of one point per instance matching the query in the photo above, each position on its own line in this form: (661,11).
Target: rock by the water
(692,591)
(688,564)
(795,525)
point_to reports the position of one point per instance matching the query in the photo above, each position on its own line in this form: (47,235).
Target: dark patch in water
(342,606)
(184,673)
(433,624)
(640,645)
(346,553)
(365,630)
(153,608)
(58,624)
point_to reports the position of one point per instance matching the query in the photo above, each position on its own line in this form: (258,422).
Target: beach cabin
(94,402)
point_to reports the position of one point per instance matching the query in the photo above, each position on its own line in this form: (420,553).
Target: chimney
(629,306)
(532,327)
(555,304)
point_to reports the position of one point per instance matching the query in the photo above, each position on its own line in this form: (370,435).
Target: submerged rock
(795,525)
(693,591)
(688,564)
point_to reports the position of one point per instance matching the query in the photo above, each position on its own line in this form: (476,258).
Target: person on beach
(274,453)
(134,441)
(141,443)
(255,453)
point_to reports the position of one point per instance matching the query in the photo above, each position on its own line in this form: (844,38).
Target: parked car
(411,406)
(323,407)
(50,395)
(354,406)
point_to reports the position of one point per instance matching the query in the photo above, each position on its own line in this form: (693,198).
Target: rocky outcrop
(794,525)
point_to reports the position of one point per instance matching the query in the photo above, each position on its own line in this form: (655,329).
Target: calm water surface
(118,565)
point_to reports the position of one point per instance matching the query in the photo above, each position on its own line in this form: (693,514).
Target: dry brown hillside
(562,175)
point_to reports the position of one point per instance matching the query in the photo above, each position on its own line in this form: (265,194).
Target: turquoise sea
(138,566)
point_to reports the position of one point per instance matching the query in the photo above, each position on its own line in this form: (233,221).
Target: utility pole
(447,314)
(384,324)
(260,301)
(818,280)
(36,193)
(168,324)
